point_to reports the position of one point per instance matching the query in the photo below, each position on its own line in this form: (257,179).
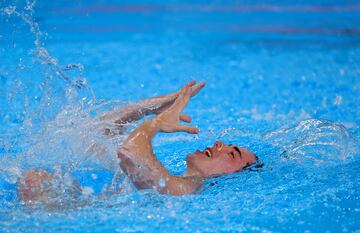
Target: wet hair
(254,166)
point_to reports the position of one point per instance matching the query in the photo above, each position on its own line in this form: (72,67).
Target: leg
(35,185)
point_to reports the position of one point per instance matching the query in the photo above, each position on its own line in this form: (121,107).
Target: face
(220,159)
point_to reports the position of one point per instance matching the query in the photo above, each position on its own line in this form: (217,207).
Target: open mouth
(208,152)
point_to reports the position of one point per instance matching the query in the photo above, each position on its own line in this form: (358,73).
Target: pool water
(282,80)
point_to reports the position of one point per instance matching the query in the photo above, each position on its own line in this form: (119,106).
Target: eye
(232,154)
(208,154)
(238,150)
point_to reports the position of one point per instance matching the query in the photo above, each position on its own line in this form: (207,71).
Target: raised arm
(137,157)
(145,107)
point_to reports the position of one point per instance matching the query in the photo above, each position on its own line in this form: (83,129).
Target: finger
(188,129)
(196,88)
(182,99)
(185,118)
(188,85)
(192,83)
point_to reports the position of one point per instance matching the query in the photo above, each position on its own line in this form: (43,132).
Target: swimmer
(136,156)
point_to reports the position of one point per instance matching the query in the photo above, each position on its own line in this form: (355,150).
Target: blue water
(282,80)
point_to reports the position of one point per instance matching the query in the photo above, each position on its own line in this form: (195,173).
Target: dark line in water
(138,8)
(210,28)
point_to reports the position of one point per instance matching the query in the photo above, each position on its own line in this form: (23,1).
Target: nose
(218,145)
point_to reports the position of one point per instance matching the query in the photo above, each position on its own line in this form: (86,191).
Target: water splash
(49,108)
(318,140)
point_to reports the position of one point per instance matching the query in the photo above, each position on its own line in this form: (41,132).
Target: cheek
(225,166)
(211,167)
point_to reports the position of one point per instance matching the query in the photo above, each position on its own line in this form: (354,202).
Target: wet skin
(141,165)
(137,158)
(34,185)
(220,159)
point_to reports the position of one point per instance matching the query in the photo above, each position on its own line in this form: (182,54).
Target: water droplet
(87,191)
(341,72)
(158,66)
(162,183)
(338,100)
(9,10)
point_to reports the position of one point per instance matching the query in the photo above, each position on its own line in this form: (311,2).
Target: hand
(169,120)
(159,104)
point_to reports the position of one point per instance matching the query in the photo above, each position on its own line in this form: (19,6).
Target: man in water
(137,158)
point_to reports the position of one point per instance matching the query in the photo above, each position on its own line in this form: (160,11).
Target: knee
(33,186)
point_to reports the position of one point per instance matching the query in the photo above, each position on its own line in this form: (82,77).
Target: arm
(145,107)
(138,160)
(115,119)
(136,111)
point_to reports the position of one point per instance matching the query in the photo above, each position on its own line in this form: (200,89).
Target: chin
(190,159)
